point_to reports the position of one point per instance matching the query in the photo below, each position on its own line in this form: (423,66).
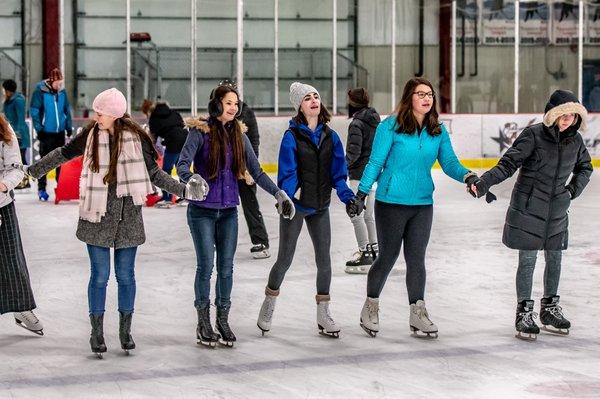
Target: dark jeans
(213,229)
(252,214)
(398,224)
(48,143)
(525,273)
(124,259)
(169,160)
(319,229)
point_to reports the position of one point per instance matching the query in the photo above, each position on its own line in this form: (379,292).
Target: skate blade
(526,336)
(357,269)
(261,255)
(126,352)
(330,334)
(423,334)
(99,355)
(226,344)
(557,331)
(209,344)
(368,331)
(36,332)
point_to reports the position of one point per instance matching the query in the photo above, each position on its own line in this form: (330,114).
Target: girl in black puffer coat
(547,154)
(358,150)
(168,125)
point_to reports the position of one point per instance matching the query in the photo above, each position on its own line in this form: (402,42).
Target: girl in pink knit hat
(119,169)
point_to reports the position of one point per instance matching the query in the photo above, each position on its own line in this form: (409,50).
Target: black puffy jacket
(537,216)
(360,140)
(249,119)
(168,125)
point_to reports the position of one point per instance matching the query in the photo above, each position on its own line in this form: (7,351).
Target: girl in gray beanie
(311,164)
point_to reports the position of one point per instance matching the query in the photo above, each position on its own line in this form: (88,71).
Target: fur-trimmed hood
(564,102)
(201,123)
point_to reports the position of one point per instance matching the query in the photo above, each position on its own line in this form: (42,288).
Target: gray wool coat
(122,226)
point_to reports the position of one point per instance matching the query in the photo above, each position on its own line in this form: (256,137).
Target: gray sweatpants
(525,273)
(364,224)
(319,230)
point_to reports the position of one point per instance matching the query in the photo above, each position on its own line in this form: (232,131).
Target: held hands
(478,188)
(356,205)
(285,206)
(196,188)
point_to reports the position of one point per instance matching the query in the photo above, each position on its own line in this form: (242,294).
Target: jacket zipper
(553,190)
(56,111)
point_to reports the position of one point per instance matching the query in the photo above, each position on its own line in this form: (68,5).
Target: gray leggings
(397,225)
(319,230)
(525,273)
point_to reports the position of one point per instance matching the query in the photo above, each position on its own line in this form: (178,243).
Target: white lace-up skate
(29,321)
(420,324)
(325,322)
(266,310)
(369,316)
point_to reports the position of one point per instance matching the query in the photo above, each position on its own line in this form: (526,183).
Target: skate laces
(269,309)
(29,317)
(527,318)
(556,311)
(423,315)
(328,316)
(373,309)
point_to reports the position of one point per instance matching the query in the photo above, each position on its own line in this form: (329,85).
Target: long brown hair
(220,139)
(405,119)
(5,131)
(125,123)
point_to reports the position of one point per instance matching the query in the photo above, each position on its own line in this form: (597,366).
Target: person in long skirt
(16,294)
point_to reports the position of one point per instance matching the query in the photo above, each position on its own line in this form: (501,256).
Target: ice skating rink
(470,296)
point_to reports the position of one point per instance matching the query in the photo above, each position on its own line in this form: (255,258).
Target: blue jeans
(169,160)
(124,259)
(213,229)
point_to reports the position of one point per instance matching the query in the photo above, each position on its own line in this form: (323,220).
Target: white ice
(470,296)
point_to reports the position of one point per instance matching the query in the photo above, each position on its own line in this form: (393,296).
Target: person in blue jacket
(51,116)
(14,110)
(405,147)
(311,164)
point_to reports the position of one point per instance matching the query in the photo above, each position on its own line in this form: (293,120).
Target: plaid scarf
(132,177)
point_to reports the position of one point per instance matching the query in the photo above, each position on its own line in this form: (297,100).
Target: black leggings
(397,224)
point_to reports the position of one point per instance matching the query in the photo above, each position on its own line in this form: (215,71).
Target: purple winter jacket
(223,190)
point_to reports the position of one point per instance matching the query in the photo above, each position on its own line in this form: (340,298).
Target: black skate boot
(97,337)
(552,318)
(204,332)
(125,337)
(361,262)
(524,323)
(227,337)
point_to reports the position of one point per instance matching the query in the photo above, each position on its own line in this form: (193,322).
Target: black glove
(69,132)
(571,191)
(356,205)
(480,185)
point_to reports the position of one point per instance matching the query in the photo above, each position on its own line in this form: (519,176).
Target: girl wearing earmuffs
(220,153)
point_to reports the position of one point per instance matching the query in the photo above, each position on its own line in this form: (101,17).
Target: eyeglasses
(422,94)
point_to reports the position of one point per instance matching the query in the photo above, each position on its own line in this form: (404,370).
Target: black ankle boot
(204,332)
(97,337)
(125,331)
(227,336)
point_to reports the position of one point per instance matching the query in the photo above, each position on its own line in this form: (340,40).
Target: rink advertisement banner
(498,25)
(533,25)
(565,20)
(592,34)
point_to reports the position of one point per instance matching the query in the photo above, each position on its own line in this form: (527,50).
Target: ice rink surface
(470,295)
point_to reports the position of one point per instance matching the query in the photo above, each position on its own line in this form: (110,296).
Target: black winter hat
(358,98)
(564,102)
(10,85)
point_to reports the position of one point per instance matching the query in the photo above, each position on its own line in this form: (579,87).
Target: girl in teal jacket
(405,147)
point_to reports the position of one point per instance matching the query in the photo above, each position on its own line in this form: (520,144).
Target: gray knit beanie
(298,91)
